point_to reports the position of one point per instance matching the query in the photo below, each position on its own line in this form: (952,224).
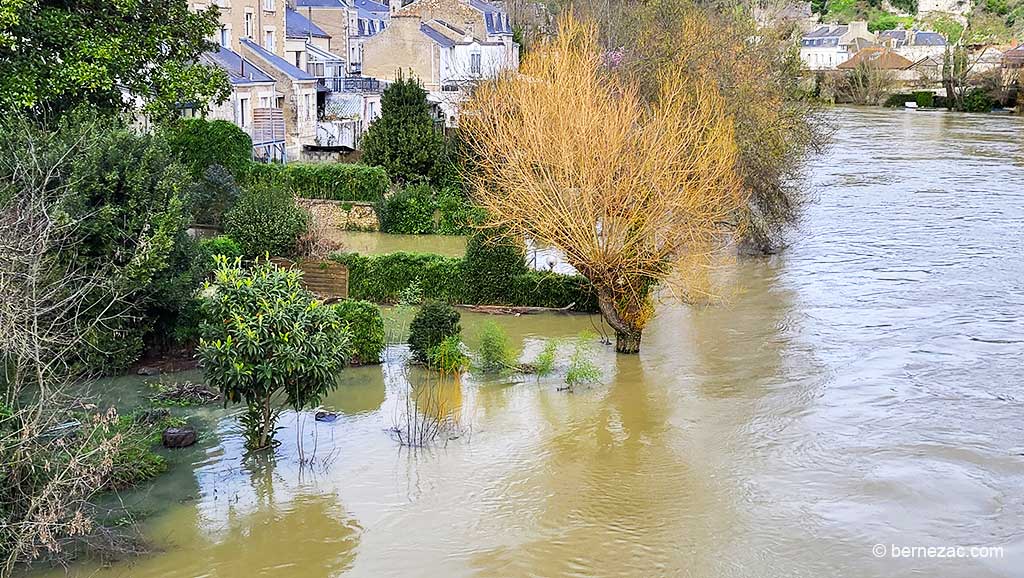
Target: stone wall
(342,216)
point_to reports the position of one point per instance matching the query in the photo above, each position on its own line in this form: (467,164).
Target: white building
(829,46)
(914,45)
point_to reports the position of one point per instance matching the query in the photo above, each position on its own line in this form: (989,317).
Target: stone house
(914,44)
(827,46)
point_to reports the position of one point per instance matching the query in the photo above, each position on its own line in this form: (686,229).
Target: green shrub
(408,212)
(265,338)
(492,259)
(898,100)
(366,325)
(384,278)
(433,323)
(134,461)
(495,353)
(582,368)
(545,363)
(331,181)
(458,215)
(924,99)
(977,100)
(219,245)
(449,356)
(266,220)
(212,196)
(546,289)
(199,144)
(404,140)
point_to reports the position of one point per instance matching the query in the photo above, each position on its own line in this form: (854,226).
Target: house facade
(449,45)
(914,45)
(828,46)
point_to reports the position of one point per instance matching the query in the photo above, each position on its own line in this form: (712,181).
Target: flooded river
(862,388)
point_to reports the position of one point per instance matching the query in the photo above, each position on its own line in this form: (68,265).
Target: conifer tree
(404,139)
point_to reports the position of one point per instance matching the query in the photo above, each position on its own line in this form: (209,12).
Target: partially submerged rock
(179,437)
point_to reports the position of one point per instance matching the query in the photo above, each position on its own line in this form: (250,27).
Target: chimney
(859,29)
(395,5)
(468,24)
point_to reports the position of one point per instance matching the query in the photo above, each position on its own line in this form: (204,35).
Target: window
(264,102)
(309,106)
(243,111)
(268,5)
(268,40)
(474,63)
(225,37)
(248,23)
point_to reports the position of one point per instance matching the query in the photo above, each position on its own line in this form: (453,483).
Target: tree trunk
(627,342)
(627,338)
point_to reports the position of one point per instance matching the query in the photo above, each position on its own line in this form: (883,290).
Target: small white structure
(829,46)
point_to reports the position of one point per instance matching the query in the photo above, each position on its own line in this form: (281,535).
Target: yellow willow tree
(635,193)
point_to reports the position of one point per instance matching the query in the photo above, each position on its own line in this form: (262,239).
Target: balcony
(352,84)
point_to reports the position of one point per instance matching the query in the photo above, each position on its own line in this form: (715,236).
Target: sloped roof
(240,71)
(884,58)
(495,19)
(929,39)
(298,26)
(371,6)
(277,62)
(1014,58)
(319,4)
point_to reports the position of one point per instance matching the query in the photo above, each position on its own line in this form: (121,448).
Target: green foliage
(908,6)
(419,209)
(1000,7)
(977,100)
(331,181)
(384,278)
(897,100)
(135,461)
(545,363)
(266,220)
(492,259)
(880,20)
(433,323)
(366,325)
(948,27)
(449,356)
(582,368)
(199,144)
(495,352)
(266,336)
(206,249)
(842,11)
(56,55)
(213,195)
(408,212)
(404,140)
(924,98)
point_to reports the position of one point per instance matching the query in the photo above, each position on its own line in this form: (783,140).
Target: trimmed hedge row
(330,181)
(367,327)
(419,209)
(382,278)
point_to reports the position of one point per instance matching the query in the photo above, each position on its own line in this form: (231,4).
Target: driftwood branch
(517,310)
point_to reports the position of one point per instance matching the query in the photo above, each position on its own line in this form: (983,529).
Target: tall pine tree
(404,139)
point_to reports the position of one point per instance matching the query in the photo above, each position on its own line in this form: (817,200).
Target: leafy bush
(366,325)
(545,363)
(206,249)
(898,100)
(266,220)
(331,181)
(408,212)
(384,278)
(449,356)
(421,210)
(433,323)
(582,368)
(134,461)
(265,337)
(977,100)
(213,195)
(404,140)
(924,99)
(200,144)
(495,353)
(492,259)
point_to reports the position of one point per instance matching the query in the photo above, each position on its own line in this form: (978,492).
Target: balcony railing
(352,84)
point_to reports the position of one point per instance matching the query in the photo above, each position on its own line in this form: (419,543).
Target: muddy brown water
(862,388)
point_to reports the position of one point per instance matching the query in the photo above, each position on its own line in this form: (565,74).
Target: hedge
(366,325)
(419,209)
(199,143)
(382,278)
(331,181)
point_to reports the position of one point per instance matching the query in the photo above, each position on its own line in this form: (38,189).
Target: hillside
(997,21)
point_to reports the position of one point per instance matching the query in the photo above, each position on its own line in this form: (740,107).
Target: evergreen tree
(404,139)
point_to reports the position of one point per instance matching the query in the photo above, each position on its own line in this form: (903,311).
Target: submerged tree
(634,194)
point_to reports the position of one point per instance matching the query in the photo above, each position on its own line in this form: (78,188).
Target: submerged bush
(408,212)
(495,352)
(265,338)
(366,325)
(448,356)
(545,363)
(266,220)
(433,323)
(492,259)
(582,368)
